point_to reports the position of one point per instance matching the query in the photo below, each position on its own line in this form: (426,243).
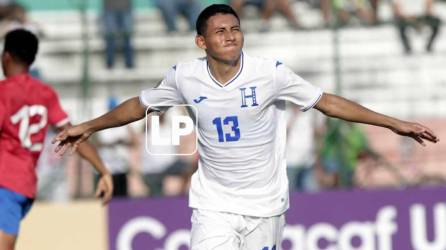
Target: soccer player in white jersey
(239,193)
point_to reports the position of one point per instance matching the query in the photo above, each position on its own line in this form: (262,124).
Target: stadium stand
(372,63)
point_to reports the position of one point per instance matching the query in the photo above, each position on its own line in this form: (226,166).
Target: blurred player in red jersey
(27,108)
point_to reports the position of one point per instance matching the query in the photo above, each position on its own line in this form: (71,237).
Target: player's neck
(14,71)
(223,71)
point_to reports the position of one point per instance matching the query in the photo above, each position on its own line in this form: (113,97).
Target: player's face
(223,39)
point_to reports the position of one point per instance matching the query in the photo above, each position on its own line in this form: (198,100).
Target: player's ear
(6,56)
(200,42)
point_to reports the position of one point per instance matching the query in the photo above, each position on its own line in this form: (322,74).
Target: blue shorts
(13,208)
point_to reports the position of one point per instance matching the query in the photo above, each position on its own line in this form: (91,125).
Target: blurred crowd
(322,153)
(407,15)
(117,20)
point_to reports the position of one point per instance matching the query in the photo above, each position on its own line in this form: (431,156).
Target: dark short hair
(22,45)
(210,11)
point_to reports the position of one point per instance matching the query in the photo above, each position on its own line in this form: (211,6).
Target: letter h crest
(245,97)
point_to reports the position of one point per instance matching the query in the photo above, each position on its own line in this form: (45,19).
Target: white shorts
(213,230)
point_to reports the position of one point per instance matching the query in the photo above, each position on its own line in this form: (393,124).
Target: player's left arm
(59,120)
(86,150)
(339,107)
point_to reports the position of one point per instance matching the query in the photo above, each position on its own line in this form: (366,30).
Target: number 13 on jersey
(234,131)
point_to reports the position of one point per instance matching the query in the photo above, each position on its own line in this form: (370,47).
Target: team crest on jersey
(249,98)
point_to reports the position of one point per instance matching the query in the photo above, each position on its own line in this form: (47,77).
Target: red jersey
(27,107)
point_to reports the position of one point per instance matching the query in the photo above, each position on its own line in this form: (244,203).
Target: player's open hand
(105,188)
(417,131)
(70,138)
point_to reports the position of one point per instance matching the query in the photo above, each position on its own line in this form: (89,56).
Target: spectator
(340,149)
(345,9)
(118,28)
(415,14)
(17,18)
(171,8)
(267,8)
(284,7)
(366,10)
(326,10)
(4,8)
(114,146)
(374,4)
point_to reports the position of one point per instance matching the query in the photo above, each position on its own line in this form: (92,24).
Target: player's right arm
(296,90)
(127,112)
(165,94)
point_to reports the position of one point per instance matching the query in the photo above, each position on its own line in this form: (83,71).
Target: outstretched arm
(339,107)
(127,112)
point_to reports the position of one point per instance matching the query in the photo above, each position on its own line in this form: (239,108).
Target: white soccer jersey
(241,132)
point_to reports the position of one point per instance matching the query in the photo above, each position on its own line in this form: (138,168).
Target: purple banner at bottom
(409,219)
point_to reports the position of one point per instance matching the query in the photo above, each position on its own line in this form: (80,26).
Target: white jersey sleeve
(166,93)
(291,87)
